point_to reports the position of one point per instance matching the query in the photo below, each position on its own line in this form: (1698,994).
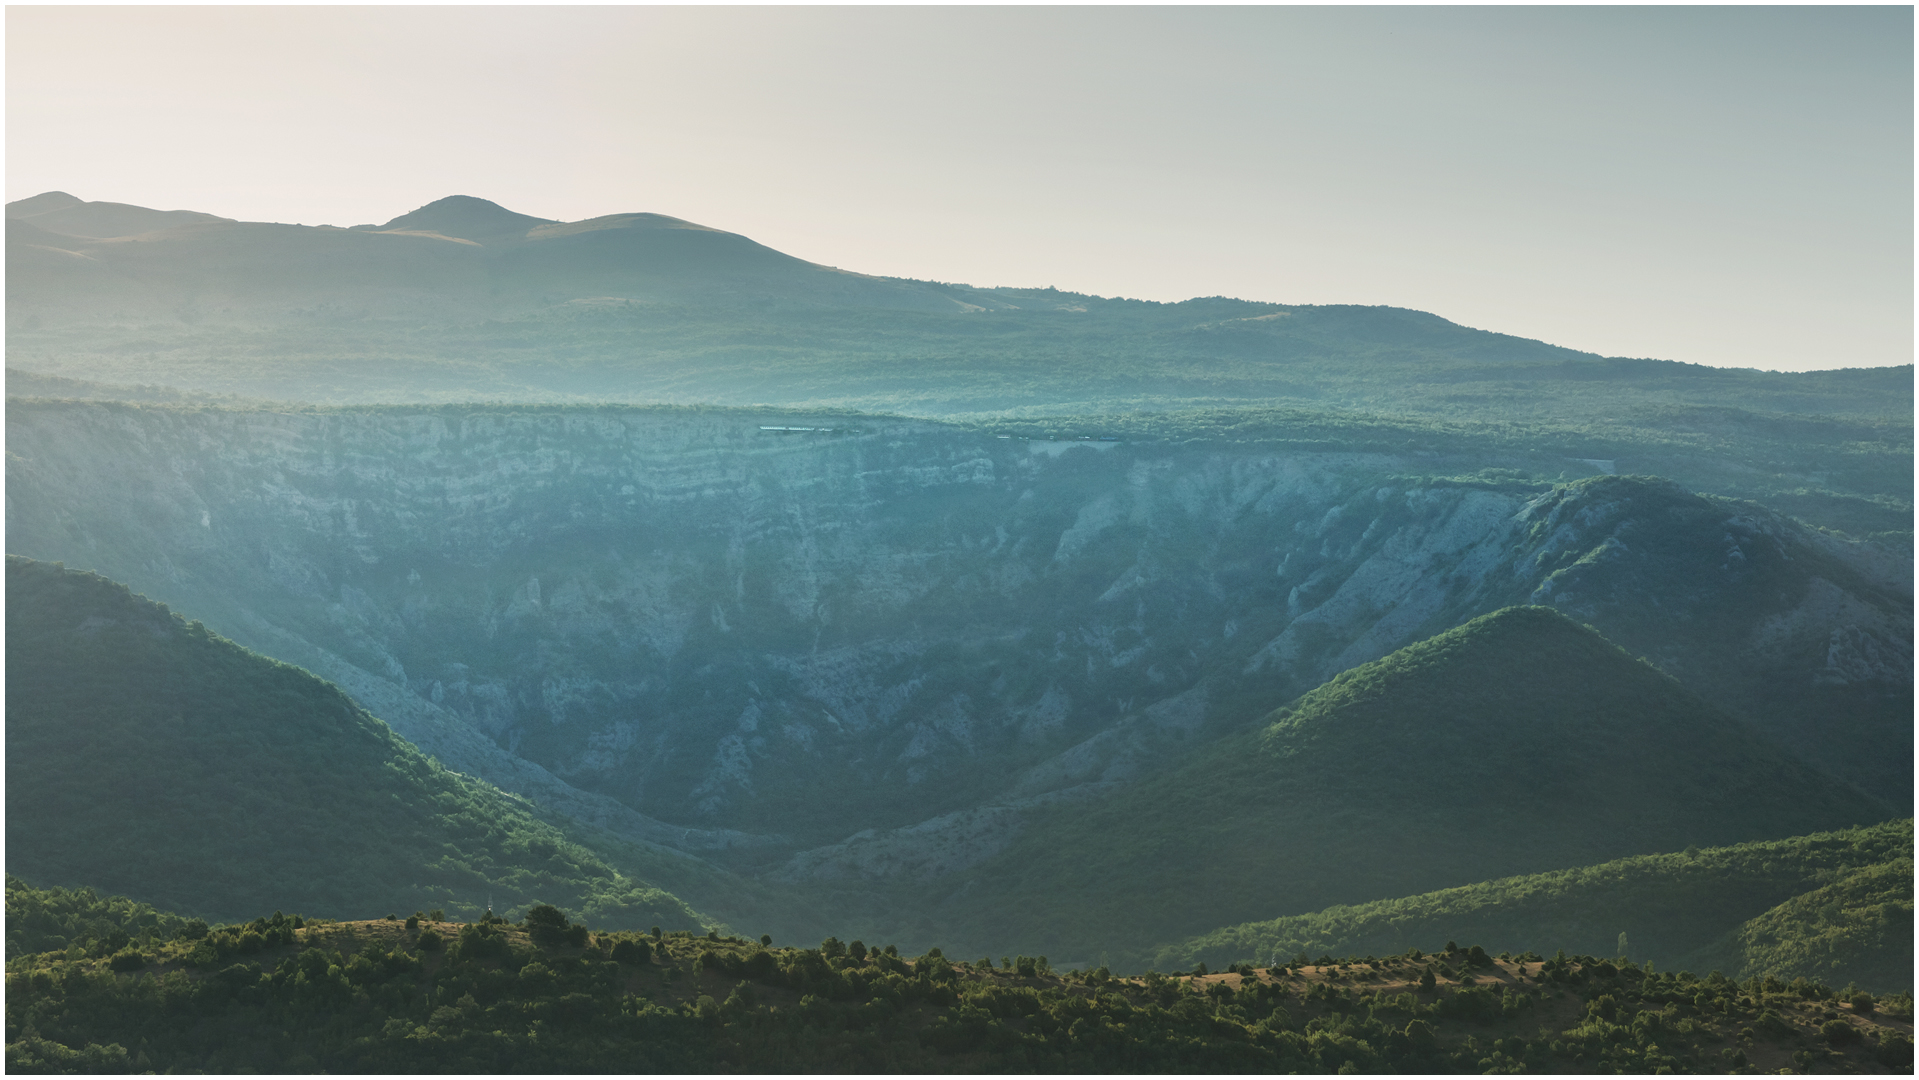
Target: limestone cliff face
(700,633)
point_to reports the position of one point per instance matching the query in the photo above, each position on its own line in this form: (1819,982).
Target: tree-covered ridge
(149,756)
(1858,928)
(1830,906)
(287,994)
(1516,743)
(49,920)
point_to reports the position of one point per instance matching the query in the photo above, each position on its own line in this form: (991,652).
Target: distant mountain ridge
(464,300)
(59,212)
(458,257)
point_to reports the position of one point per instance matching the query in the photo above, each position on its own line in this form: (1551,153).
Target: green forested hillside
(1834,906)
(1518,742)
(287,994)
(1856,929)
(150,757)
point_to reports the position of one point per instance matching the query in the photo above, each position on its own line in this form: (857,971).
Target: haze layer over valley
(985,569)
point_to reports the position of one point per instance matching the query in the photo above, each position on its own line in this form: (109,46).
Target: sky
(1729,185)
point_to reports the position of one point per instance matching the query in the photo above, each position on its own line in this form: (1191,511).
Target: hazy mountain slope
(203,269)
(464,300)
(1822,655)
(150,757)
(42,203)
(1675,910)
(27,384)
(233,272)
(58,212)
(1518,742)
(45,264)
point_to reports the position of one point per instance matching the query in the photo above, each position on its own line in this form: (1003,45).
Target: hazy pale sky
(1722,185)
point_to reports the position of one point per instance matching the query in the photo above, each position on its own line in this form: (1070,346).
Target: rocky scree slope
(887,645)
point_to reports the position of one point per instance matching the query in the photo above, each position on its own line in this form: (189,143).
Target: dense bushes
(525,997)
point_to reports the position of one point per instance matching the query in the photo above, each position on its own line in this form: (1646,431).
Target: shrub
(1894,1049)
(1839,1033)
(482,941)
(548,927)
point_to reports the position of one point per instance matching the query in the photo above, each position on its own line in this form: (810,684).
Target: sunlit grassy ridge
(1830,906)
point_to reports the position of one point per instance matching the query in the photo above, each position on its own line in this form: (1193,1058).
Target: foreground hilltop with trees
(136,990)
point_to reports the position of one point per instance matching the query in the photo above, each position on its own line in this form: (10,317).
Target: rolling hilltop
(459,258)
(1518,742)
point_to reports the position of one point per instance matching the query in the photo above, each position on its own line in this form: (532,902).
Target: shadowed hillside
(148,756)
